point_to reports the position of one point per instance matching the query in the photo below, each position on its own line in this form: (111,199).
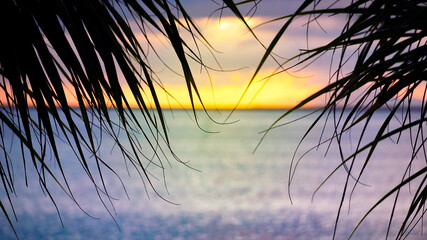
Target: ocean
(225,189)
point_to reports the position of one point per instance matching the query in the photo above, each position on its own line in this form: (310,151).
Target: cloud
(271,8)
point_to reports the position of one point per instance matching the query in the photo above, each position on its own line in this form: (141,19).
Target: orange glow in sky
(283,92)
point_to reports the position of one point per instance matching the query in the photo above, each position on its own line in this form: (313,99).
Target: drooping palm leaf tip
(384,43)
(51,50)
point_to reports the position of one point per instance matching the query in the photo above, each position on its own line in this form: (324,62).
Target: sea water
(225,189)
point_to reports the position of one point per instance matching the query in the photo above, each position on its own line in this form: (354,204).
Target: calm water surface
(235,194)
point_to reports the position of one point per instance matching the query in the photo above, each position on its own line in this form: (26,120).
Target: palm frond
(386,42)
(51,50)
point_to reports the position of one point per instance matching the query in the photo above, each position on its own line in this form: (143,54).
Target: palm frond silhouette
(386,40)
(51,50)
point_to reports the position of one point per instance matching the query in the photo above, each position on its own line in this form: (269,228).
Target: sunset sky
(233,59)
(235,54)
(238,54)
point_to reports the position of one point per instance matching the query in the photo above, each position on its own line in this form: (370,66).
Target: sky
(234,55)
(237,55)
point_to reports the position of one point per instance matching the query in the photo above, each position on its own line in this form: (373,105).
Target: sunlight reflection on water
(237,194)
